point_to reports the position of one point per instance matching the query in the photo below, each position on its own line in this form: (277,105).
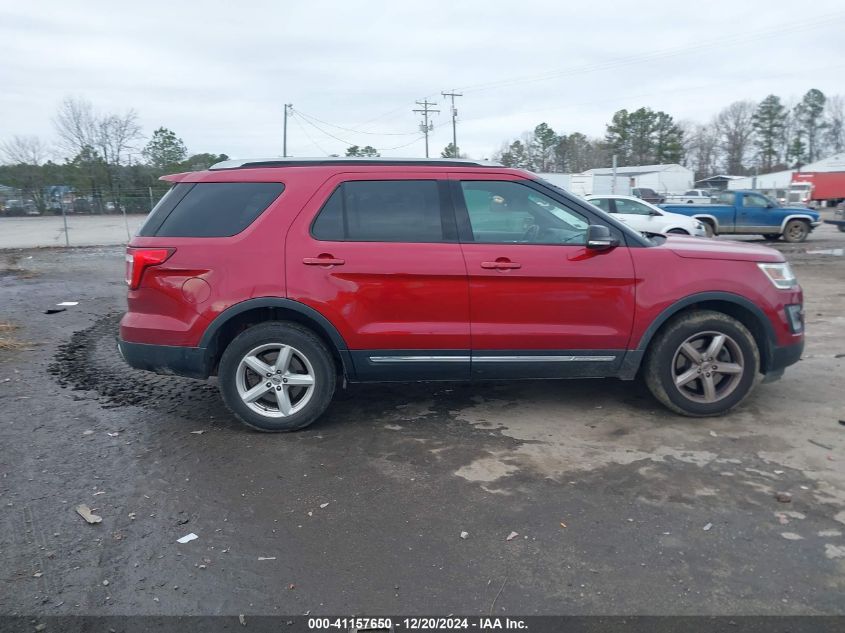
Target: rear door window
(631,207)
(602,203)
(385,211)
(210,209)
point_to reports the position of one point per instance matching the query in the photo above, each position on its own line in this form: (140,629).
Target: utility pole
(613,184)
(454,94)
(425,126)
(288,106)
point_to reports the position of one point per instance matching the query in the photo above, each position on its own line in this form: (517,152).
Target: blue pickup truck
(750,213)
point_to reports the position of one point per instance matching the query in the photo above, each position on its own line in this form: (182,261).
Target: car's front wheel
(703,363)
(277,376)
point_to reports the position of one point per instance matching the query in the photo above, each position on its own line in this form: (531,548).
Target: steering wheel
(531,233)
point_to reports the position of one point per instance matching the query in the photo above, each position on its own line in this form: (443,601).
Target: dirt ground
(620,506)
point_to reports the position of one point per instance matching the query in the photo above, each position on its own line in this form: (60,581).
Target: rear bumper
(782,357)
(166,359)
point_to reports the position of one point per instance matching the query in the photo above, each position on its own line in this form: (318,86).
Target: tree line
(107,165)
(744,138)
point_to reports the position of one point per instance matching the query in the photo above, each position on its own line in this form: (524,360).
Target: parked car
(647,218)
(693,196)
(838,219)
(286,277)
(749,212)
(649,195)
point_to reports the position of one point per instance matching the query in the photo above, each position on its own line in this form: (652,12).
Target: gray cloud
(218,73)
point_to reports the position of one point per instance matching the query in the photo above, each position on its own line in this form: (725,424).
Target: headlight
(699,225)
(780,275)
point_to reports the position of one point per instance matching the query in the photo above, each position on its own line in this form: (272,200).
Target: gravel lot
(82,230)
(620,506)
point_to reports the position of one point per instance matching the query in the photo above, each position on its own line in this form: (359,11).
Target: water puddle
(838,252)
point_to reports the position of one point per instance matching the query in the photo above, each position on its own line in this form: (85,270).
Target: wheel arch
(710,219)
(736,306)
(245,314)
(797,216)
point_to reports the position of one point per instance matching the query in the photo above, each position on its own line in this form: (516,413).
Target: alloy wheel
(708,367)
(275,380)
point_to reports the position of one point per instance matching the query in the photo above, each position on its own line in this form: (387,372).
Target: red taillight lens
(139,259)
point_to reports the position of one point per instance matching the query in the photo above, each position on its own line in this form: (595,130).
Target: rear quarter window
(210,209)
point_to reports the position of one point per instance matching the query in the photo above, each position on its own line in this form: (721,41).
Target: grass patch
(8,340)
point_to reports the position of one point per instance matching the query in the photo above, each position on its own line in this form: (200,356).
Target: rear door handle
(501,264)
(323,260)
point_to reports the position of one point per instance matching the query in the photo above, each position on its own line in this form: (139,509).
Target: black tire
(664,360)
(841,228)
(772,237)
(796,231)
(306,348)
(677,232)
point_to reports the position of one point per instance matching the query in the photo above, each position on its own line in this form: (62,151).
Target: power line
(425,126)
(346,142)
(347,129)
(629,97)
(728,40)
(307,135)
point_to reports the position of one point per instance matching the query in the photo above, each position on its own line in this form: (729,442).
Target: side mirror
(599,238)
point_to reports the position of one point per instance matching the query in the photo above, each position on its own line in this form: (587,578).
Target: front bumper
(783,356)
(166,359)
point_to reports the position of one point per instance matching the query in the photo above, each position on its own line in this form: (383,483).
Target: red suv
(283,277)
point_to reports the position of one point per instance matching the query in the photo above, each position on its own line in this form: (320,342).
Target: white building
(781,179)
(663,179)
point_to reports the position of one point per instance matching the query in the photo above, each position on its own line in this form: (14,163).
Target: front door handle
(324,259)
(503,263)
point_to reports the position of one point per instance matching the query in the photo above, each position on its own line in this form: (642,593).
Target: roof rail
(351,160)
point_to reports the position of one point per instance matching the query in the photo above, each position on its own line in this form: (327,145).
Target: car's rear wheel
(277,376)
(677,232)
(708,228)
(703,363)
(796,231)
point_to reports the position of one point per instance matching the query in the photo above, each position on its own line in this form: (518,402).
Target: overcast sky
(217,73)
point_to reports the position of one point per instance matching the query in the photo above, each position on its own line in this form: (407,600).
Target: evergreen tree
(165,149)
(769,122)
(810,123)
(543,145)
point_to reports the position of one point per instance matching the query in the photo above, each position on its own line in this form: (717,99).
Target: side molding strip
(489,359)
(419,359)
(540,359)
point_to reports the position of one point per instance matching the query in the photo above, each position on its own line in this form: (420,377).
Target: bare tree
(115,135)
(701,148)
(80,127)
(76,124)
(735,130)
(24,150)
(835,118)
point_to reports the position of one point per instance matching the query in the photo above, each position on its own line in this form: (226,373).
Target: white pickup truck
(693,196)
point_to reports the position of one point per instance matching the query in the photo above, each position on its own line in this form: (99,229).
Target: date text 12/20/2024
(417,624)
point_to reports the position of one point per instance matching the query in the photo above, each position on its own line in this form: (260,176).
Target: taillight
(139,259)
